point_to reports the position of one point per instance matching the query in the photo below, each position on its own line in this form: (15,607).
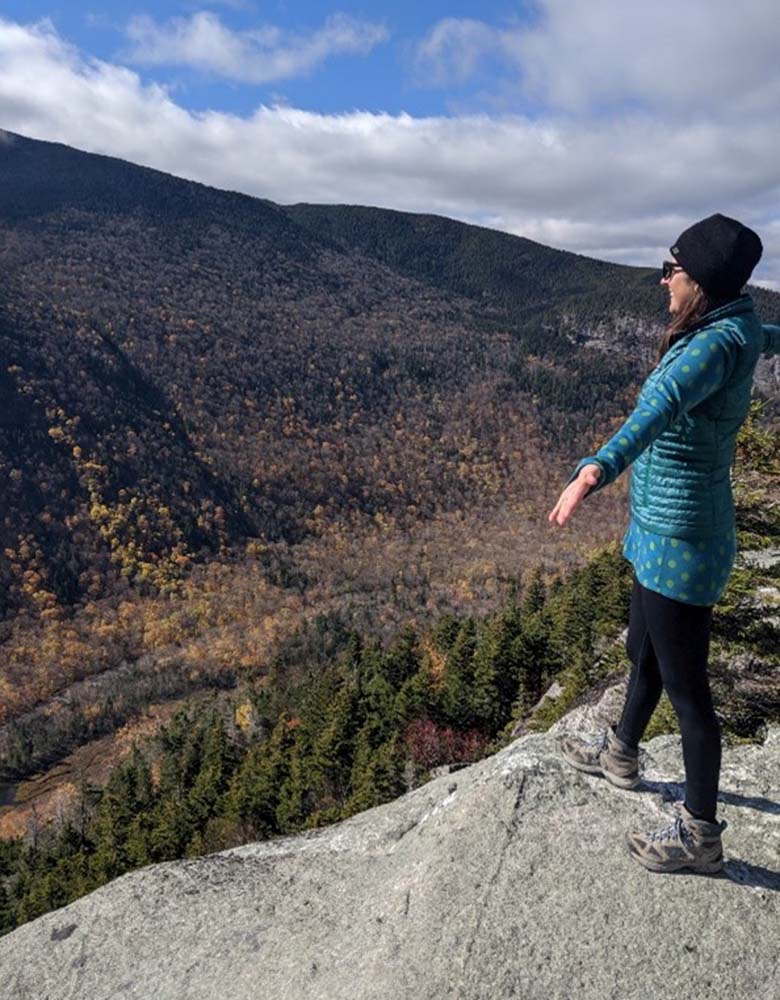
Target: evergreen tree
(377,772)
(7,914)
(495,677)
(331,759)
(401,661)
(455,693)
(138,840)
(171,830)
(535,661)
(109,827)
(416,699)
(388,770)
(254,793)
(536,592)
(218,760)
(295,796)
(444,633)
(143,789)
(363,794)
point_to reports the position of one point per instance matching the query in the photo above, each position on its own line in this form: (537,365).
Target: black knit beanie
(719,254)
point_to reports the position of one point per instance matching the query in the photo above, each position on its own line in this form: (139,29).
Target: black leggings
(668,645)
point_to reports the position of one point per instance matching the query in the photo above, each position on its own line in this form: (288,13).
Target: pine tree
(109,827)
(254,793)
(401,660)
(7,912)
(295,797)
(536,592)
(171,830)
(363,794)
(331,759)
(218,759)
(534,659)
(455,695)
(444,633)
(377,773)
(416,699)
(495,674)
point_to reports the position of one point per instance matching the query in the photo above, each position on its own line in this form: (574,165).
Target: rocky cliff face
(507,878)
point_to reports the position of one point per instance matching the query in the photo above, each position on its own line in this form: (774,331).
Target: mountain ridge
(215,310)
(210,405)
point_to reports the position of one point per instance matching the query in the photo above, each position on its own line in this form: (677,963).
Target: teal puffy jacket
(682,433)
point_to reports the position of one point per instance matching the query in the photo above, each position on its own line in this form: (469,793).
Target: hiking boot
(688,842)
(605,754)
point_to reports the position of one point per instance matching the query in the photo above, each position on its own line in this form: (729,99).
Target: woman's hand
(574,492)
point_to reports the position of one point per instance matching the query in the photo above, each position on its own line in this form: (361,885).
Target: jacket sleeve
(771,340)
(698,372)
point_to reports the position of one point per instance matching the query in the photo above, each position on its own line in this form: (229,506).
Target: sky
(605,128)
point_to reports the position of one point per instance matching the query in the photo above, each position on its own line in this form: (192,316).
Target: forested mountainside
(533,284)
(222,418)
(186,367)
(562,301)
(294,749)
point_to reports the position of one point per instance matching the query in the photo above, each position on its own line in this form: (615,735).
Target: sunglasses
(669,267)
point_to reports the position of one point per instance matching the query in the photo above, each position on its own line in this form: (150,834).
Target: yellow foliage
(435,662)
(243,715)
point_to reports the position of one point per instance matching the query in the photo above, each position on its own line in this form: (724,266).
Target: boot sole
(702,867)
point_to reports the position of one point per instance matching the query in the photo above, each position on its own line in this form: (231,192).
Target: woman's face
(682,289)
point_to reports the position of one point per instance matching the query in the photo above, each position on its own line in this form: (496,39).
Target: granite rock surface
(507,878)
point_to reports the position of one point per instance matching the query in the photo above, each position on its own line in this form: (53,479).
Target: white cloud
(453,50)
(260,55)
(669,57)
(701,55)
(620,187)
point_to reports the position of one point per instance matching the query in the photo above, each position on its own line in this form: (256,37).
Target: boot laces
(599,742)
(675,830)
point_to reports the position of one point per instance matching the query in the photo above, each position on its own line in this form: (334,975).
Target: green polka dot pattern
(691,572)
(680,387)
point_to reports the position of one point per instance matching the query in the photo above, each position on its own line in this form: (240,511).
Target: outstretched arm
(699,371)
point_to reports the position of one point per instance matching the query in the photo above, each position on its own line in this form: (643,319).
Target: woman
(681,537)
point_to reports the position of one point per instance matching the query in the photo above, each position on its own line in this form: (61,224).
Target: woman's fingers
(573,494)
(567,508)
(567,501)
(555,512)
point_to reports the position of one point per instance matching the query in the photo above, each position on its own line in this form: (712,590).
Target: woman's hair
(697,307)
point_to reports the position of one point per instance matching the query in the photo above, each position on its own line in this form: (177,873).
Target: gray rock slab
(597,712)
(763,558)
(509,878)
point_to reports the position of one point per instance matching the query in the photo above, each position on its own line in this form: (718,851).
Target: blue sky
(384,79)
(604,128)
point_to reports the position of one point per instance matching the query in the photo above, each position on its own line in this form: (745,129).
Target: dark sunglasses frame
(669,267)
